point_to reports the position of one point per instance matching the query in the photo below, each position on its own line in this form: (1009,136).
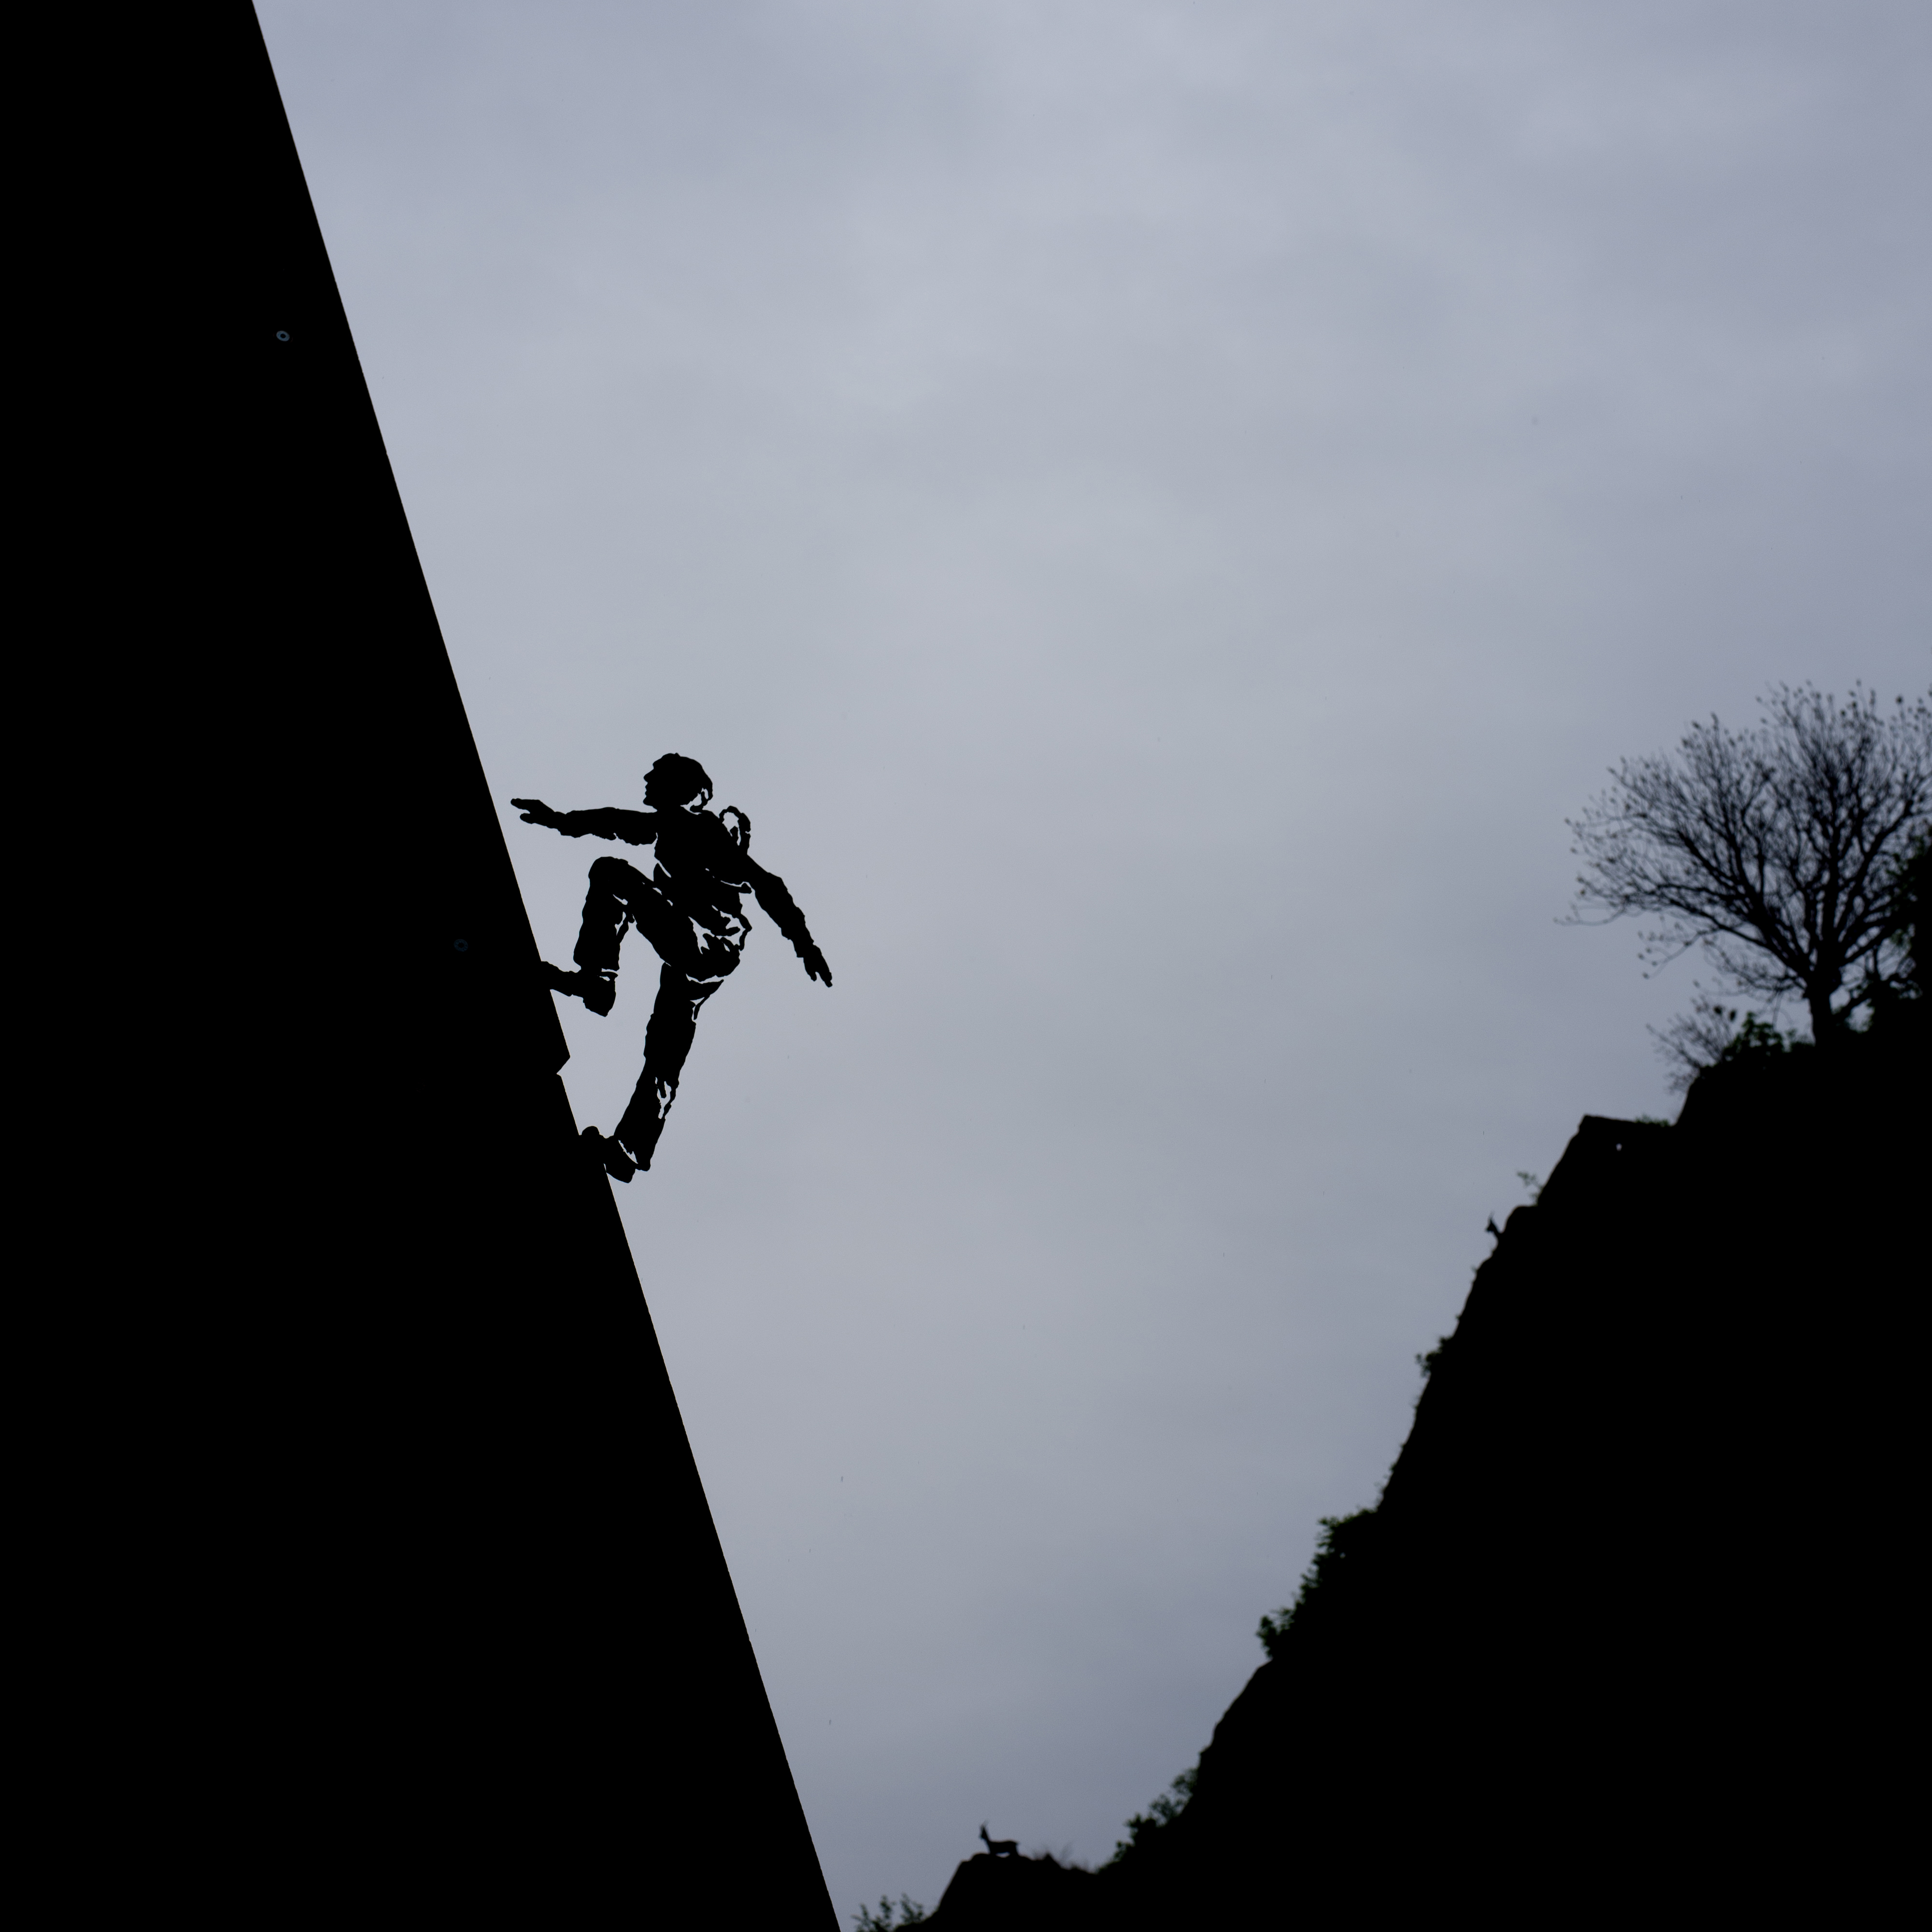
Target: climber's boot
(597,990)
(609,1156)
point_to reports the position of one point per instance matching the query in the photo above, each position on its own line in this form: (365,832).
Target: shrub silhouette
(910,1912)
(1339,1534)
(1165,1809)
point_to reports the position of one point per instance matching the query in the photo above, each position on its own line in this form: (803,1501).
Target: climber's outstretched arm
(606,821)
(784,914)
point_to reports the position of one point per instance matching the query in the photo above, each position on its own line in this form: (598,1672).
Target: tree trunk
(1826,1026)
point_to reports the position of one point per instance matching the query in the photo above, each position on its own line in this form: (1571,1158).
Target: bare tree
(1780,851)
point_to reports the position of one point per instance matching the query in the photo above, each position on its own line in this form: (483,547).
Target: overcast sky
(1157,511)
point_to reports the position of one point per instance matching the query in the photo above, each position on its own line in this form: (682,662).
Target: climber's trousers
(696,963)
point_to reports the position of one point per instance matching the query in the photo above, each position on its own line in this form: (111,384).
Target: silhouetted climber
(690,911)
(1001,1848)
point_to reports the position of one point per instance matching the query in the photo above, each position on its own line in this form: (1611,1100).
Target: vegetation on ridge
(1784,853)
(1340,1535)
(1163,1812)
(910,1912)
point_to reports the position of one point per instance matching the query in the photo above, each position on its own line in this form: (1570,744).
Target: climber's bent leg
(614,885)
(667,1041)
(615,888)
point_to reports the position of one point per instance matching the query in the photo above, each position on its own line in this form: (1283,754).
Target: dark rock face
(1623,1633)
(1621,1627)
(373,1549)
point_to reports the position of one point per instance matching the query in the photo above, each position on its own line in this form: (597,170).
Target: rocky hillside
(1629,1619)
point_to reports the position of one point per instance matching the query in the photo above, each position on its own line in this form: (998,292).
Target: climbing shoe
(609,1156)
(597,990)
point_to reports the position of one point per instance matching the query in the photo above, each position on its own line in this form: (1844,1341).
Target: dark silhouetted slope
(1630,1611)
(1018,1895)
(1627,1632)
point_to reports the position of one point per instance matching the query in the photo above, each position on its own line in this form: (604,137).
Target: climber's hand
(535,812)
(815,967)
